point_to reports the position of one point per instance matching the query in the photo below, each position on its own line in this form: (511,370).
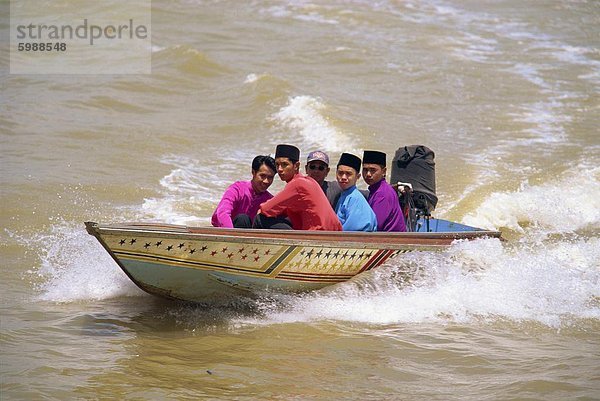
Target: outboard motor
(413,175)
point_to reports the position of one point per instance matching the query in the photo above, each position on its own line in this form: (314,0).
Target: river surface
(506,92)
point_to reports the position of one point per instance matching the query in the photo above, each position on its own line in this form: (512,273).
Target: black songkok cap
(289,151)
(374,157)
(347,159)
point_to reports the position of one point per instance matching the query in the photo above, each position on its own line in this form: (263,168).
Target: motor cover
(415,164)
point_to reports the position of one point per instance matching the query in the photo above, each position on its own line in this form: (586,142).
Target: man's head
(263,172)
(317,166)
(347,172)
(287,161)
(373,169)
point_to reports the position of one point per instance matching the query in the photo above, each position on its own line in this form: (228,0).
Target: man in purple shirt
(242,199)
(383,198)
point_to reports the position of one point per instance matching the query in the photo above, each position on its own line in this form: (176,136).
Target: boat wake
(555,284)
(573,203)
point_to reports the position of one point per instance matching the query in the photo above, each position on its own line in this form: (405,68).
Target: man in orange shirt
(301,205)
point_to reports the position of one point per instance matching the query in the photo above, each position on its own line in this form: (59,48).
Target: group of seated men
(309,202)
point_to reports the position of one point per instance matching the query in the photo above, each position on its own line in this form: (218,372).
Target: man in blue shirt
(352,209)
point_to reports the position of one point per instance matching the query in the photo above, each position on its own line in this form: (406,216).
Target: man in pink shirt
(242,199)
(301,205)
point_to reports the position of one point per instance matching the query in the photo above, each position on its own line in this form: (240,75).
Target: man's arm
(222,215)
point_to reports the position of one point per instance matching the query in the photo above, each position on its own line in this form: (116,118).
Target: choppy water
(507,94)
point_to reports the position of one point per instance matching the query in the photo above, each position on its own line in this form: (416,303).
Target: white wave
(251,78)
(446,10)
(480,47)
(520,32)
(592,76)
(473,281)
(531,73)
(474,47)
(75,267)
(301,11)
(316,17)
(190,191)
(555,50)
(568,204)
(576,55)
(277,11)
(546,119)
(306,115)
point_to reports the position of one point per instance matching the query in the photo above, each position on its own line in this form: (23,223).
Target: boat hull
(207,264)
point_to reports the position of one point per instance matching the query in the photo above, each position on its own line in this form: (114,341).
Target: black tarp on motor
(415,164)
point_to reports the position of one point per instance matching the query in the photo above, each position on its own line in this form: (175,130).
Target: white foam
(306,115)
(301,11)
(251,78)
(473,281)
(479,47)
(74,266)
(474,47)
(570,203)
(575,55)
(277,11)
(316,17)
(531,73)
(518,31)
(546,119)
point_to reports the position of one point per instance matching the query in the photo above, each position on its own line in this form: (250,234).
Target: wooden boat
(203,264)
